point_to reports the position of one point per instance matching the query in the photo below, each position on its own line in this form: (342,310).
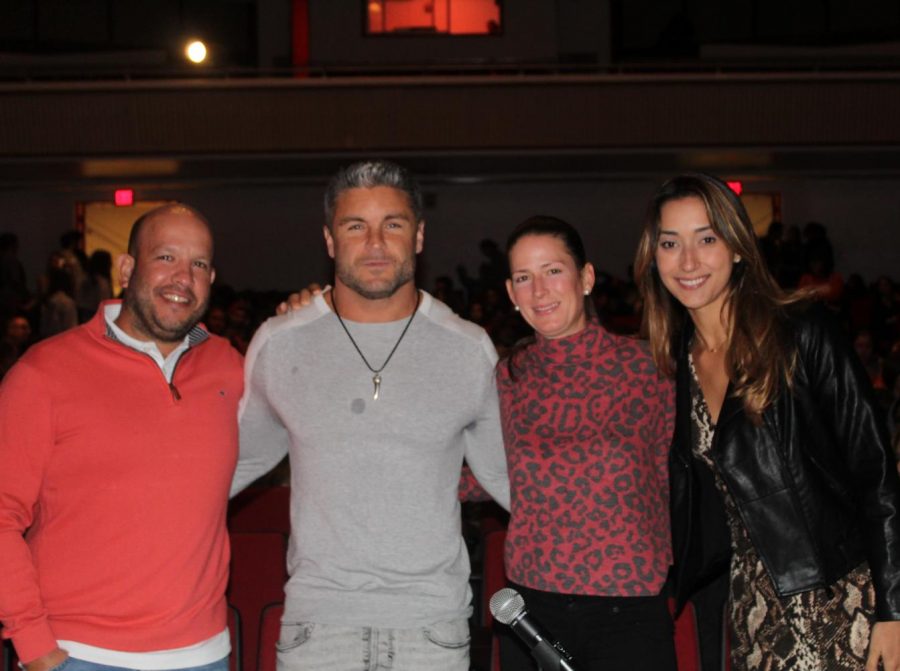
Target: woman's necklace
(712,350)
(376,374)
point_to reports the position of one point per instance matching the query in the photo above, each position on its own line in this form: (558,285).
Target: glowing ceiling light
(195,51)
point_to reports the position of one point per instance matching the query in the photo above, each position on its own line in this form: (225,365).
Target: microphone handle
(547,655)
(549,658)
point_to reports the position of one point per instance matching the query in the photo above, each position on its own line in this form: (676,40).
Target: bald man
(118,441)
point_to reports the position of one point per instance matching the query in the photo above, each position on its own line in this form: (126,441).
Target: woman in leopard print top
(587,422)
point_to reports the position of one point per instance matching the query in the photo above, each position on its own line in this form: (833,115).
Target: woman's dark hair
(544,225)
(557,228)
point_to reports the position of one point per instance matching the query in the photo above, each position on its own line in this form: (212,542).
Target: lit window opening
(433,17)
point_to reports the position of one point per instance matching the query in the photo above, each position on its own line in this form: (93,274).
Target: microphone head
(506,605)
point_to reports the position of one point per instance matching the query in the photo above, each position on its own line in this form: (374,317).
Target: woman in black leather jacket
(781,467)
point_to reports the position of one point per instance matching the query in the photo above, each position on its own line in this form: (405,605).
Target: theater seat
(234,630)
(8,659)
(494,573)
(494,579)
(687,640)
(258,575)
(269,629)
(261,509)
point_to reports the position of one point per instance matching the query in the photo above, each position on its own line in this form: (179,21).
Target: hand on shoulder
(300,299)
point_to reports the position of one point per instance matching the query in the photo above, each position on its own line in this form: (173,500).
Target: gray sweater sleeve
(483,437)
(264,439)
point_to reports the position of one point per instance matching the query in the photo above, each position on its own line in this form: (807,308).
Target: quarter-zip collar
(166,363)
(103,324)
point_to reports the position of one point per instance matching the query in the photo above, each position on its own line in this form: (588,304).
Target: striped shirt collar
(166,364)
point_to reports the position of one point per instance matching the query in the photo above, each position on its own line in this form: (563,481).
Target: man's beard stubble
(376,289)
(146,321)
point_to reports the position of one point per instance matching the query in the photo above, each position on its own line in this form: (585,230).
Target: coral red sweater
(587,424)
(120,485)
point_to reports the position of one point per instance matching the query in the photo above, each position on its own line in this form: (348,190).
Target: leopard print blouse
(587,423)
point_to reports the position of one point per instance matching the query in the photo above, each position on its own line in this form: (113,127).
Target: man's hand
(49,661)
(884,645)
(300,299)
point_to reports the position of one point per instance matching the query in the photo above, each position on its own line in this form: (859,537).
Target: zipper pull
(175,393)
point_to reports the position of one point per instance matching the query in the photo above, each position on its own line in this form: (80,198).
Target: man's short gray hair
(368,175)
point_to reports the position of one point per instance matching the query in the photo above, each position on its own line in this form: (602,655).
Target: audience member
(97,286)
(820,278)
(17,333)
(793,260)
(71,249)
(874,364)
(816,242)
(7,357)
(216,320)
(492,272)
(58,310)
(885,324)
(856,304)
(448,294)
(13,286)
(240,322)
(770,246)
(16,339)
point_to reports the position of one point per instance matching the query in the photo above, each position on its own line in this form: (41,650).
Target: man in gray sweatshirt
(377,391)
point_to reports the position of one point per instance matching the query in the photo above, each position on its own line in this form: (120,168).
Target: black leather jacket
(816,483)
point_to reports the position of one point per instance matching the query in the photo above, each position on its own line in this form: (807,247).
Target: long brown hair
(758,360)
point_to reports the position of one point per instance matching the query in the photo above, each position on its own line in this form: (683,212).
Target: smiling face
(693,261)
(373,239)
(168,279)
(547,286)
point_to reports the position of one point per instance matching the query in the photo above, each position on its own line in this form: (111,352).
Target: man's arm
(484,441)
(263,438)
(26,442)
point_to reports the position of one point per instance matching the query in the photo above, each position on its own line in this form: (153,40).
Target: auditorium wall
(269,236)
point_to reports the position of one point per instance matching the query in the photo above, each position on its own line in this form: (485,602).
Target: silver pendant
(376,379)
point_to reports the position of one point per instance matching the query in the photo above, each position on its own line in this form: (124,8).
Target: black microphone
(508,607)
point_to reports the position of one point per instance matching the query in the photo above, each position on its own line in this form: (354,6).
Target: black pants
(600,633)
(709,606)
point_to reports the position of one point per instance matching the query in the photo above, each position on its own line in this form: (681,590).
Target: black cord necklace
(376,374)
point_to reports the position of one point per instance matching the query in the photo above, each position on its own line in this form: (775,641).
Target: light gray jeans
(307,646)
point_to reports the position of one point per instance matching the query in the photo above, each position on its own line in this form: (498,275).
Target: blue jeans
(441,647)
(72,664)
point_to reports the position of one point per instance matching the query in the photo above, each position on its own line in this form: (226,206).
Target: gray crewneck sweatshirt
(375,516)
